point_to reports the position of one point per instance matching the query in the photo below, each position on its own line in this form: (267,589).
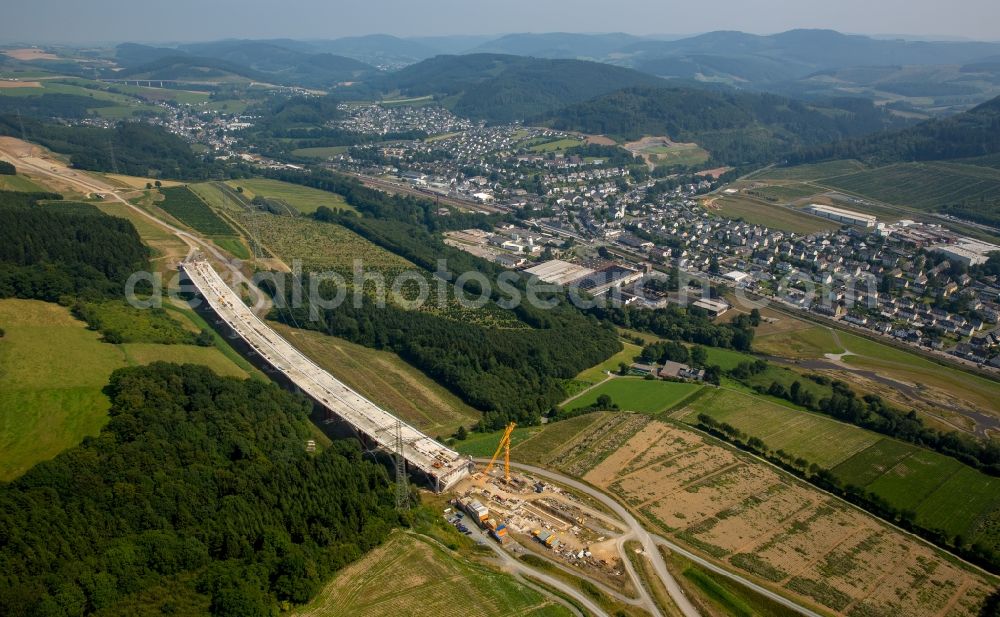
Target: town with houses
(593,222)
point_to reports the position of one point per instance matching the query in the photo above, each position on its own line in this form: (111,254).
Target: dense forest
(54,251)
(500,88)
(735,127)
(133,148)
(7,169)
(197,497)
(683,324)
(969,134)
(51,105)
(509,374)
(263,61)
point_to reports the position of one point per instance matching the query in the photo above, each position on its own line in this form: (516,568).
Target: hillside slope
(969,134)
(504,88)
(736,127)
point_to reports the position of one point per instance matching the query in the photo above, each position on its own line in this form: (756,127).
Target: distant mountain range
(974,133)
(279,62)
(920,78)
(505,88)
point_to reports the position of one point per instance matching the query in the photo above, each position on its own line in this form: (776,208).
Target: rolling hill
(264,61)
(975,133)
(916,77)
(505,88)
(736,127)
(559,45)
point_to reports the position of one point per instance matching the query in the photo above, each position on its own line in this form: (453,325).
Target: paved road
(654,554)
(511,564)
(634,530)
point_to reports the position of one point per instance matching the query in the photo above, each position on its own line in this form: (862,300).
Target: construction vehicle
(505,446)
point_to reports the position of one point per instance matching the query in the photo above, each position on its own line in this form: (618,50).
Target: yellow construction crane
(505,445)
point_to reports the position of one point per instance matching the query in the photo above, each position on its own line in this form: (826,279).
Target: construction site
(422,455)
(527,515)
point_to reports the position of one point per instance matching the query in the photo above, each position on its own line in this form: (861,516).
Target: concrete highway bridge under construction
(424,456)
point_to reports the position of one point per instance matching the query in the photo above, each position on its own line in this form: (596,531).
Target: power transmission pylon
(505,445)
(24,133)
(402,482)
(114,162)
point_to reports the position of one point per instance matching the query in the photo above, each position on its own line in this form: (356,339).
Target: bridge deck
(442,465)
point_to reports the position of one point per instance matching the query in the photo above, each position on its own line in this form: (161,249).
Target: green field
(302,198)
(924,186)
(638,394)
(866,466)
(19,183)
(121,106)
(921,186)
(909,482)
(819,439)
(415,576)
(485,444)
(938,383)
(182,204)
(183,97)
(52,372)
(628,355)
(809,342)
(556,145)
(320,153)
(325,246)
(386,379)
(944,493)
(231,106)
(727,359)
(678,154)
(417,101)
(775,216)
(814,171)
(540,446)
(135,325)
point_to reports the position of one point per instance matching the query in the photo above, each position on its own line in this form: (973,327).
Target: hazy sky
(187,20)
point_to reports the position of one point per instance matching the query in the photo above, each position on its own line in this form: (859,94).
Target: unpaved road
(634,531)
(27,157)
(650,542)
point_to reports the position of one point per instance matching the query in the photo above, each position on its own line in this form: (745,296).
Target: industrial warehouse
(842,216)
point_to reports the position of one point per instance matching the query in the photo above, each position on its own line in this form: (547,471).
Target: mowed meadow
(52,373)
(388,579)
(942,492)
(757,520)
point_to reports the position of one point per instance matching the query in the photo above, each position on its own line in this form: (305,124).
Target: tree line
(735,127)
(679,323)
(50,252)
(978,552)
(871,412)
(133,148)
(508,373)
(197,497)
(969,134)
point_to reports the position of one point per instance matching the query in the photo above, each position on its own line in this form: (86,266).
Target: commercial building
(714,308)
(559,272)
(840,215)
(967,251)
